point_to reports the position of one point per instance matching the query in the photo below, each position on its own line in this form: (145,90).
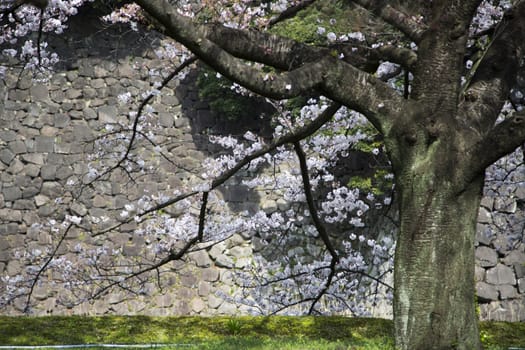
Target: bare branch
(134,129)
(202,216)
(44,267)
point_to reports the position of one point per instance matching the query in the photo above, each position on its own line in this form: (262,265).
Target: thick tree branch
(364,93)
(406,24)
(501,140)
(310,201)
(404,57)
(368,59)
(496,73)
(319,226)
(285,85)
(332,77)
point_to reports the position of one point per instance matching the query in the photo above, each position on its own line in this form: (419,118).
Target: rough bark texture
(434,262)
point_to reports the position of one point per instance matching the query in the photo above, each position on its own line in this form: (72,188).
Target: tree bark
(434,298)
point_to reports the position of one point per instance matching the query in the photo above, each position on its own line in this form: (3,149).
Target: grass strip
(223,333)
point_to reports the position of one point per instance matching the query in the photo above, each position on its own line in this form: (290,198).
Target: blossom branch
(307,187)
(294,136)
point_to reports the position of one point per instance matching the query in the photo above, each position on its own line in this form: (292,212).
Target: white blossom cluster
(488,14)
(25,22)
(298,269)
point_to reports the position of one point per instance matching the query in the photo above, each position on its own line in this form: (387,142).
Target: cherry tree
(442,89)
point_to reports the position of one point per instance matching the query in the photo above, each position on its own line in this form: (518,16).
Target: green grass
(221,333)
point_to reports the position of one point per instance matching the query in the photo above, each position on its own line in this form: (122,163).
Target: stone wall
(48,128)
(500,256)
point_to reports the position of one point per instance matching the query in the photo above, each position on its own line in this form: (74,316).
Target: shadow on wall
(204,121)
(90,38)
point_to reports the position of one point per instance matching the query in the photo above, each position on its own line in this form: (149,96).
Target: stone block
(227,309)
(44,144)
(514,257)
(214,302)
(188,280)
(48,172)
(201,258)
(165,300)
(89,93)
(502,244)
(506,311)
(234,241)
(204,288)
(501,274)
(24,204)
(505,205)
(210,274)
(484,216)
(519,268)
(107,114)
(227,279)
(486,292)
(487,202)
(11,193)
(6,156)
(238,252)
(224,261)
(217,250)
(34,158)
(185,294)
(182,308)
(30,192)
(31,170)
(198,305)
(17,147)
(521,285)
(97,83)
(8,135)
(507,291)
(243,262)
(51,189)
(182,122)
(39,92)
(46,210)
(486,256)
(9,215)
(166,120)
(16,167)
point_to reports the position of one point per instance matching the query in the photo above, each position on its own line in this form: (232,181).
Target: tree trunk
(434,300)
